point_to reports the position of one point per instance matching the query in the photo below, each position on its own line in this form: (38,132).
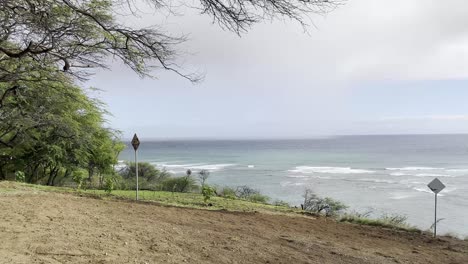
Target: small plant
(78,177)
(109,185)
(20,176)
(207,192)
(228,192)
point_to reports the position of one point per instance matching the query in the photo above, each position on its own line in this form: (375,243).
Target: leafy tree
(50,128)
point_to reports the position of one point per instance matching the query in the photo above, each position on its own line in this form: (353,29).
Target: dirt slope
(63,228)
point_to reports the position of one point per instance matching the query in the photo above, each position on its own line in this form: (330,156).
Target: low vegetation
(162,187)
(388,221)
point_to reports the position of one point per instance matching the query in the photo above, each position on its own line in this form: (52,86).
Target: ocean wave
(336,170)
(458,170)
(250,166)
(420,174)
(414,168)
(377,180)
(193,166)
(292,184)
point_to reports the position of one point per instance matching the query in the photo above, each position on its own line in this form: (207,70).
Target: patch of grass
(192,200)
(388,221)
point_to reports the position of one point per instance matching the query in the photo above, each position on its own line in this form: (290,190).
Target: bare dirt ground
(46,227)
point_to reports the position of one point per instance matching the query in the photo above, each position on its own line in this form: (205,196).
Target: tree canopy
(78,35)
(49,127)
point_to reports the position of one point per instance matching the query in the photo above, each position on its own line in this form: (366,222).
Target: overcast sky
(370,67)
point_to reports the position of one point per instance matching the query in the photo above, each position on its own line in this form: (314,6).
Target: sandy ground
(64,228)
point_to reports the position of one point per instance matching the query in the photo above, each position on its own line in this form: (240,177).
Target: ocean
(376,174)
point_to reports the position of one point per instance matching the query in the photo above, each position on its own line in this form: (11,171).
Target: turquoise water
(381,174)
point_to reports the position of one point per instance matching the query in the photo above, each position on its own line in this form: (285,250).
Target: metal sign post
(436,186)
(136,144)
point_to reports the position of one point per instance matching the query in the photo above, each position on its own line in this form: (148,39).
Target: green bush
(227,192)
(20,176)
(146,171)
(207,192)
(109,185)
(78,177)
(178,184)
(258,198)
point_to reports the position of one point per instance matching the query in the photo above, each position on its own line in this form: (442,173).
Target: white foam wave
(377,180)
(414,168)
(399,174)
(420,174)
(458,170)
(431,175)
(425,190)
(292,184)
(336,170)
(194,166)
(250,166)
(400,196)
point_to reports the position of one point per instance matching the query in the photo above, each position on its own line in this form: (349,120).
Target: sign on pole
(436,186)
(136,144)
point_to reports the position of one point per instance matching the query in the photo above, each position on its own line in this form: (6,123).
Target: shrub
(78,177)
(281,203)
(146,171)
(178,184)
(227,192)
(389,221)
(20,176)
(315,204)
(258,198)
(245,191)
(108,185)
(207,192)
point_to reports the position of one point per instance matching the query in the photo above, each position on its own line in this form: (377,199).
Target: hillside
(38,226)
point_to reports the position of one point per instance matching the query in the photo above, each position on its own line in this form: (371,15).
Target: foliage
(78,177)
(207,192)
(388,221)
(258,198)
(76,36)
(146,171)
(50,129)
(281,203)
(315,204)
(245,191)
(227,192)
(20,176)
(178,184)
(109,185)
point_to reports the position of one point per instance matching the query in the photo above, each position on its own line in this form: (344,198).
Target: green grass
(192,200)
(393,222)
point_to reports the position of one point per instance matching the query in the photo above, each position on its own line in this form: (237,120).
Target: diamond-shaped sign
(135,142)
(436,186)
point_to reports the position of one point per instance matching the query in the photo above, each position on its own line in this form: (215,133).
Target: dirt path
(63,228)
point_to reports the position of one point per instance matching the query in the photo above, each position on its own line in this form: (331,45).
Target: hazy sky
(370,67)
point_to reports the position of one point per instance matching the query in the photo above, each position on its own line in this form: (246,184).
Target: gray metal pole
(136,172)
(435,216)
